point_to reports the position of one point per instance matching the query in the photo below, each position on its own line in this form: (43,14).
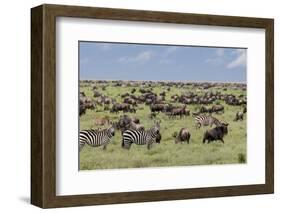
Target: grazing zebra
(206,120)
(95,138)
(140,137)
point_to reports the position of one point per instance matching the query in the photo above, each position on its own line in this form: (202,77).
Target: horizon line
(182,81)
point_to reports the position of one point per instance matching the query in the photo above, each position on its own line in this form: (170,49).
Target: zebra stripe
(140,137)
(206,120)
(95,138)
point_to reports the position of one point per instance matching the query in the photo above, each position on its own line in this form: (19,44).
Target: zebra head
(156,127)
(111,131)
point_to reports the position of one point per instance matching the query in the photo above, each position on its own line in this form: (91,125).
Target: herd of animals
(142,93)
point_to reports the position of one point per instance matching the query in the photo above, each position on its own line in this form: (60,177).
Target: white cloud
(240,59)
(141,57)
(218,57)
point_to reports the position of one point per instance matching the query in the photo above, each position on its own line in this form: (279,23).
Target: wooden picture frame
(43,105)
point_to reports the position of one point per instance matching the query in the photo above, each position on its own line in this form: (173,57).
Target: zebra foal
(95,138)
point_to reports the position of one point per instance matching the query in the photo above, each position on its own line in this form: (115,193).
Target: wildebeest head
(224,128)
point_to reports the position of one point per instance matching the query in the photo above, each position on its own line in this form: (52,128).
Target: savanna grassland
(167,153)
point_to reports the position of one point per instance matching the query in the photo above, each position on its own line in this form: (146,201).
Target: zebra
(95,138)
(140,137)
(205,120)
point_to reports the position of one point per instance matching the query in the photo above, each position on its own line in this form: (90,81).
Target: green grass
(167,153)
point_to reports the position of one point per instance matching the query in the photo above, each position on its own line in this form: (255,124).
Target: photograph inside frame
(156,105)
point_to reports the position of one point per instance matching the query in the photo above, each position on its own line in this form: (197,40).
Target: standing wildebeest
(244,109)
(120,107)
(179,111)
(218,108)
(239,116)
(82,109)
(157,107)
(204,109)
(216,133)
(184,135)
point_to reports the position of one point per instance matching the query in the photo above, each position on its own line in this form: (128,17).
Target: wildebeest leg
(188,137)
(104,147)
(221,140)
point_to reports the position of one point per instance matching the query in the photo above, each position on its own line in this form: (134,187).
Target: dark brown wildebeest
(179,111)
(157,107)
(120,107)
(205,109)
(218,108)
(133,90)
(82,109)
(244,109)
(125,95)
(184,135)
(97,94)
(239,116)
(216,133)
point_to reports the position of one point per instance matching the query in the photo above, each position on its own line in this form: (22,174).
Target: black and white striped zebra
(95,138)
(140,137)
(206,120)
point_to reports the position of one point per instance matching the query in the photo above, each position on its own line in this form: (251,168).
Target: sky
(123,61)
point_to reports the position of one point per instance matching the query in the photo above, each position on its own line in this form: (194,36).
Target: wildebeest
(244,109)
(157,107)
(182,136)
(179,111)
(126,122)
(239,116)
(218,108)
(205,109)
(120,107)
(216,133)
(82,109)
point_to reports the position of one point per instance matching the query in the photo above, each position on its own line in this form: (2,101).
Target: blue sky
(122,61)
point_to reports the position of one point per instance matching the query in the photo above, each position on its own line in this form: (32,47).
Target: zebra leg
(149,146)
(104,147)
(81,145)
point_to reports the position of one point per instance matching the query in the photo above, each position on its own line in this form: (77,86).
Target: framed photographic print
(137,106)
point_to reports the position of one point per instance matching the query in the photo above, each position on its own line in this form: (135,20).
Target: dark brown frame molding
(43,105)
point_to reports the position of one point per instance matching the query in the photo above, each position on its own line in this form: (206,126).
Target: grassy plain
(167,153)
